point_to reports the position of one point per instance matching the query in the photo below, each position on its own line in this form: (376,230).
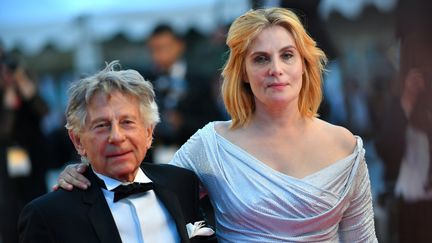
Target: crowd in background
(391,109)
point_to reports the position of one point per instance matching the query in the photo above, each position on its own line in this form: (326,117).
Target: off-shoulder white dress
(255,203)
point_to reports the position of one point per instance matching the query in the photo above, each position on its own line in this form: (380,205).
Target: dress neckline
(267,167)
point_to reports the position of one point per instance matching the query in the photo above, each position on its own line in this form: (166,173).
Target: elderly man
(110,119)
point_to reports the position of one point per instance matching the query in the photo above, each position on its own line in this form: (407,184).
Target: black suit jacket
(84,215)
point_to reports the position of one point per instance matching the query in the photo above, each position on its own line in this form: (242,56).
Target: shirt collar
(111,183)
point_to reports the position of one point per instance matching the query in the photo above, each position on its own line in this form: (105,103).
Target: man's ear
(76,140)
(149,138)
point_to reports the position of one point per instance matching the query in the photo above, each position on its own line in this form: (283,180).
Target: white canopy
(30,25)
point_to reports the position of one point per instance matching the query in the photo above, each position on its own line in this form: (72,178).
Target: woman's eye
(287,56)
(261,59)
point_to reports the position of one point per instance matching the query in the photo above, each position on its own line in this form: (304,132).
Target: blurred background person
(185,95)
(23,151)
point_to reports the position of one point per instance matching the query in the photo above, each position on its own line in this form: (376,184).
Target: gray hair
(109,79)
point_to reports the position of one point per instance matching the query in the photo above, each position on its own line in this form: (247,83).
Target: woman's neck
(278,121)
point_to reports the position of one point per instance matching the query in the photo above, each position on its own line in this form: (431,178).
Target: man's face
(115,138)
(165,49)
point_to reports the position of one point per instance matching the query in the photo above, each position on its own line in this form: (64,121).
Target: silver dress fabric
(255,203)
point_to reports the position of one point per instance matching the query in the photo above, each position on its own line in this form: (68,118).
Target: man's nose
(116,134)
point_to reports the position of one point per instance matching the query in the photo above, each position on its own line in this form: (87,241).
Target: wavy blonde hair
(238,98)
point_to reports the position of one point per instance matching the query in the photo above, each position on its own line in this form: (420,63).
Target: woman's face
(274,68)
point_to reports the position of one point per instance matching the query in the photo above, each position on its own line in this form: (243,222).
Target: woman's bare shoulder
(223,128)
(338,135)
(234,135)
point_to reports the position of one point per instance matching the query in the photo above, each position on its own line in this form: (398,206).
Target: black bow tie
(124,191)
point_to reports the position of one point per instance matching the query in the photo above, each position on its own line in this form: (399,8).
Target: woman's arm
(357,224)
(72,177)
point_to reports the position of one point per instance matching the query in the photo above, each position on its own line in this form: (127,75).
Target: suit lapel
(99,213)
(170,201)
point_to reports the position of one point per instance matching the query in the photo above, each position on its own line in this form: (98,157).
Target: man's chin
(124,174)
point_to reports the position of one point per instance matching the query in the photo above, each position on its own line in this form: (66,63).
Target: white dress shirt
(141,217)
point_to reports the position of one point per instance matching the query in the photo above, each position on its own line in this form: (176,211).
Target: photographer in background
(22,144)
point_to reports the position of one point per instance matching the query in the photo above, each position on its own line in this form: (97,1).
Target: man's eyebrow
(98,119)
